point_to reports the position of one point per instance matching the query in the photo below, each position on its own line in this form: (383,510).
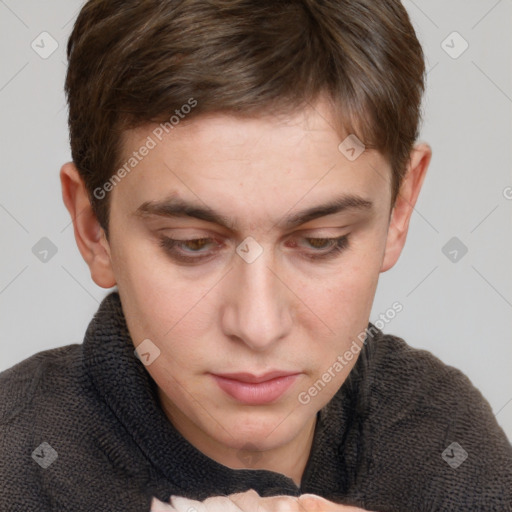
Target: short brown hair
(132,62)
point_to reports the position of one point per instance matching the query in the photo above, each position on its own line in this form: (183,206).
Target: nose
(259,309)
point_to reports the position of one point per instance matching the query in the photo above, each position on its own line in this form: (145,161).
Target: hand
(314,503)
(251,501)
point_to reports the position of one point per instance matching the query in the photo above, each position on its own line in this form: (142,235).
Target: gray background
(459,310)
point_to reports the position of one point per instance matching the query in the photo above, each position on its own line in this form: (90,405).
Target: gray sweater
(81,429)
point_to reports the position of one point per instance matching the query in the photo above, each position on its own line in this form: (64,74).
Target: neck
(289,459)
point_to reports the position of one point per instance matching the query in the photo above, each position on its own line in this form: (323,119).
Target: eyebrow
(178,207)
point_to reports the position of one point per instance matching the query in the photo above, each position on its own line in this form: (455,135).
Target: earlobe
(89,235)
(405,202)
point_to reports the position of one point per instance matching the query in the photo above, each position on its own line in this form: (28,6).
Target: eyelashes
(174,248)
(177,249)
(336,246)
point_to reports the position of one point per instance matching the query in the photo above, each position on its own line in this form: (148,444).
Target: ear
(89,235)
(401,215)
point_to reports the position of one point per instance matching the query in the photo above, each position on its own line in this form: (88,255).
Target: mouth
(256,390)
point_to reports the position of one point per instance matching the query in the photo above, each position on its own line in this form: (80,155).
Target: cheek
(153,306)
(343,299)
(343,303)
(344,306)
(164,306)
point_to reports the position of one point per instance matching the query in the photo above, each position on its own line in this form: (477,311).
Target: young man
(242,172)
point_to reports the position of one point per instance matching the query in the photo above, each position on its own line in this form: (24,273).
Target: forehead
(251,166)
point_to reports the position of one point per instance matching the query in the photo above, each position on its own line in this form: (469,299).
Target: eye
(326,248)
(195,245)
(191,251)
(178,248)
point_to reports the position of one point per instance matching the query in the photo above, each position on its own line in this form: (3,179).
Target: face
(264,281)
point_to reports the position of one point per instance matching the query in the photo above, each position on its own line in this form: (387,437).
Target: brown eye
(195,244)
(187,251)
(334,247)
(191,251)
(320,243)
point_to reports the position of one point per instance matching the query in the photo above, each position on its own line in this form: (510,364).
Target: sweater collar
(124,384)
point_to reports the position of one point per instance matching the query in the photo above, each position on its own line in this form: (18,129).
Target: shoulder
(428,418)
(407,379)
(57,436)
(35,399)
(412,372)
(22,382)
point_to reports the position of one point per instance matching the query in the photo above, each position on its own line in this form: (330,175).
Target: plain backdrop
(454,277)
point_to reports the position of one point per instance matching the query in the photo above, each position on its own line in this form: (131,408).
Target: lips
(254,379)
(256,390)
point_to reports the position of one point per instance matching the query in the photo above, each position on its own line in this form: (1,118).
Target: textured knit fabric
(81,429)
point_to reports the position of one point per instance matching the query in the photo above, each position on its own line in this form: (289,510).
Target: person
(242,172)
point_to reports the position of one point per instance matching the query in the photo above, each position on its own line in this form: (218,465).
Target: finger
(314,503)
(182,504)
(220,504)
(279,504)
(246,501)
(251,501)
